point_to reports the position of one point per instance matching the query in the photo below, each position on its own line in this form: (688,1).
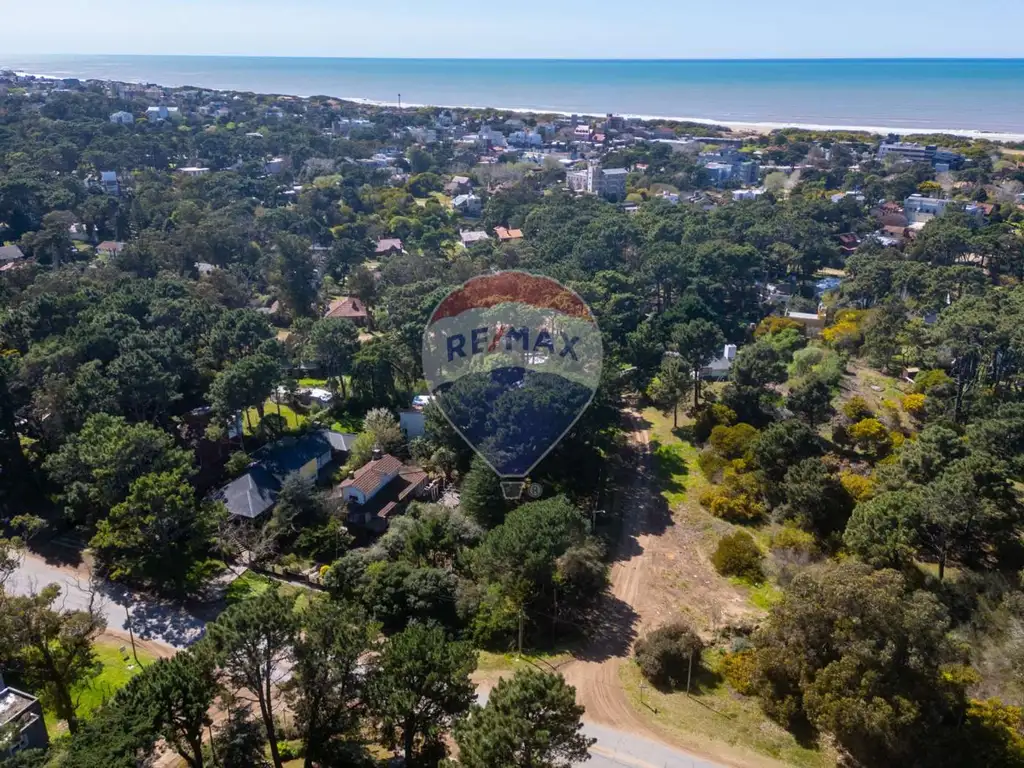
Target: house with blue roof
(255,492)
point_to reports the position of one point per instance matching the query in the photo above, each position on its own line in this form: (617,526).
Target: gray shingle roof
(10,253)
(255,492)
(250,495)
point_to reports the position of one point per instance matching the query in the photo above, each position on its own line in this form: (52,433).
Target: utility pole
(521,617)
(131,633)
(689,673)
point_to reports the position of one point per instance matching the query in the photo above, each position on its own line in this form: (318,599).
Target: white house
(413,421)
(813,323)
(110,183)
(719,368)
(193,171)
(918,208)
(525,139)
(470,204)
(747,194)
(78,232)
(473,236)
(274,166)
(370,479)
(423,135)
(492,138)
(162,112)
(122,118)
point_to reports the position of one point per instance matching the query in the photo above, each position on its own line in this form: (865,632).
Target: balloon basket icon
(512,490)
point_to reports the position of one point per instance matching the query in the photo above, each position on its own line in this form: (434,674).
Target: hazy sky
(521,28)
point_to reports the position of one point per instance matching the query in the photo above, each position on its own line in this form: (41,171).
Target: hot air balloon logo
(513,360)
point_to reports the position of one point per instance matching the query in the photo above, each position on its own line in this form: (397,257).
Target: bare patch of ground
(660,571)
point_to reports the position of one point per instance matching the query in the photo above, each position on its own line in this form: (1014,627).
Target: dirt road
(595,672)
(652,555)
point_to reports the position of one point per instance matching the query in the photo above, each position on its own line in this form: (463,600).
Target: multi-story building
(718,173)
(613,184)
(941,159)
(525,139)
(609,183)
(920,209)
(746,171)
(110,183)
(21,722)
(728,165)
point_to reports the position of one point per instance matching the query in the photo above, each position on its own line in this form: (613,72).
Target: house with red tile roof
(109,248)
(505,235)
(348,308)
(388,245)
(379,490)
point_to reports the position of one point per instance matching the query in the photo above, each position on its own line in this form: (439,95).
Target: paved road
(615,748)
(178,626)
(152,619)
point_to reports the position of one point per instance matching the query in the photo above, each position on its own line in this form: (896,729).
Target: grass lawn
(115,675)
(248,585)
(293,418)
(763,595)
(348,423)
(717,713)
(488,662)
(251,584)
(675,459)
(875,387)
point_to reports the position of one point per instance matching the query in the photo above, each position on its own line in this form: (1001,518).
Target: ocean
(967,96)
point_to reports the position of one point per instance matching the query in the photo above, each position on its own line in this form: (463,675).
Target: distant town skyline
(602,29)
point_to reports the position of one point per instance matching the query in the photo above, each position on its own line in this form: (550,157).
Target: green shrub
(871,437)
(290,750)
(737,499)
(733,442)
(926,381)
(856,409)
(805,359)
(664,655)
(711,464)
(710,417)
(739,669)
(789,538)
(737,555)
(237,463)
(831,368)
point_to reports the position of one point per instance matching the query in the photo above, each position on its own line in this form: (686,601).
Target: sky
(678,29)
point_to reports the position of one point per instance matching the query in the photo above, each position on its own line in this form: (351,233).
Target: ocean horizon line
(971,98)
(561,59)
(972,133)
